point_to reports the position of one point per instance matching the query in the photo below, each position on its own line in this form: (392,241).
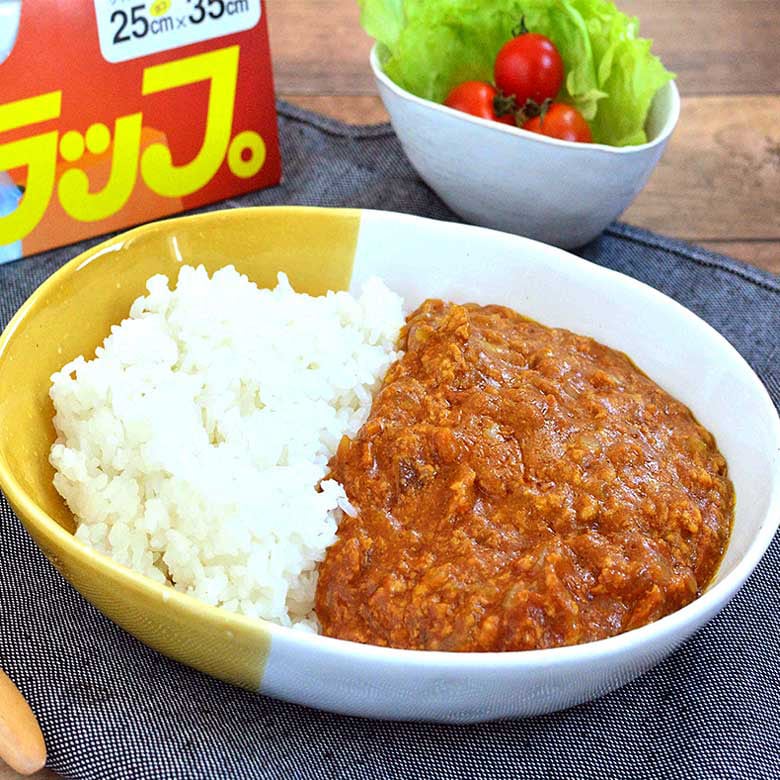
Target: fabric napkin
(112,708)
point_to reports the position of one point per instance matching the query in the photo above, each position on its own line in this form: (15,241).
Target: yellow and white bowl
(323,249)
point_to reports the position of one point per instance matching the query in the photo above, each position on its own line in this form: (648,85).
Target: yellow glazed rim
(338,228)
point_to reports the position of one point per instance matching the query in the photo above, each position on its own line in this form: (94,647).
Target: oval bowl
(503,177)
(322,249)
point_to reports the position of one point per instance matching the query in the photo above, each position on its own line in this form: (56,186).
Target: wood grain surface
(719,183)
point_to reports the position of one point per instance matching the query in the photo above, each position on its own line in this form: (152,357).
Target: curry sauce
(519,487)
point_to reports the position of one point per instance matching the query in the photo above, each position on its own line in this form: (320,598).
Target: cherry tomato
(530,68)
(478,98)
(561,121)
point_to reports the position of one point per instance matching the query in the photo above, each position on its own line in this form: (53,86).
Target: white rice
(193,447)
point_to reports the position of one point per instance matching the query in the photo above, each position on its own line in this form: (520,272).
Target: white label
(129,29)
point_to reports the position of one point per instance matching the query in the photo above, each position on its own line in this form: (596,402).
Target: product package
(118,112)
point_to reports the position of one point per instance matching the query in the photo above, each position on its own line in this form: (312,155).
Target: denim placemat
(112,708)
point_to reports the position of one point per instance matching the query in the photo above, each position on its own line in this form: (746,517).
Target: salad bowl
(498,176)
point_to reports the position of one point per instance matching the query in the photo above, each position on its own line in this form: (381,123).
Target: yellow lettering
(73,188)
(30,111)
(221,69)
(253,144)
(38,154)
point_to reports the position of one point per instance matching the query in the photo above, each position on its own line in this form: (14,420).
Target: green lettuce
(429,46)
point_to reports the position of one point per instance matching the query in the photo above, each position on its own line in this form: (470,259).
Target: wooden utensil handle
(21,741)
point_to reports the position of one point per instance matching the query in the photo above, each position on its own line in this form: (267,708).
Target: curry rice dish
(471,480)
(519,487)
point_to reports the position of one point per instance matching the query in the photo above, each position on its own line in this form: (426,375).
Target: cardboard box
(117,112)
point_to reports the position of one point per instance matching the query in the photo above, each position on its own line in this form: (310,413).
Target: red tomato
(561,121)
(477,98)
(530,68)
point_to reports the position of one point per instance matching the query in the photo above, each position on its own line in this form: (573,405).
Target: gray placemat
(112,708)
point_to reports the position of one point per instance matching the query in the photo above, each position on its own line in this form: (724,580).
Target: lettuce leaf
(429,46)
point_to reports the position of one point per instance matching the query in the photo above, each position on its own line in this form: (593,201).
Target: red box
(116,112)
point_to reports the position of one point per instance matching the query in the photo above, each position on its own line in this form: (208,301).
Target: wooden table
(719,182)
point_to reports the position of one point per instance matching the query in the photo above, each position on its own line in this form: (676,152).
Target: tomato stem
(504,104)
(520,29)
(543,109)
(530,110)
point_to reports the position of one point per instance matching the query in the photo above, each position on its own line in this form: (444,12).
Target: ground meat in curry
(519,487)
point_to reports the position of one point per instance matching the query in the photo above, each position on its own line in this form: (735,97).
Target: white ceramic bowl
(329,248)
(422,258)
(498,176)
